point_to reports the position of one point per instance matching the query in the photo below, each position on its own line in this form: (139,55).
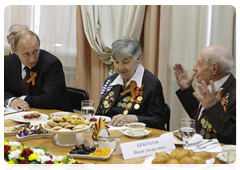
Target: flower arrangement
(18,153)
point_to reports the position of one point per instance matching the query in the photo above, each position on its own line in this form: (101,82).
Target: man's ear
(214,68)
(14,50)
(8,39)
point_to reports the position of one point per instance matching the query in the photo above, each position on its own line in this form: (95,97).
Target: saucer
(137,135)
(221,157)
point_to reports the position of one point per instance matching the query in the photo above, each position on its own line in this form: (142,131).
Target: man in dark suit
(13,30)
(215,110)
(44,86)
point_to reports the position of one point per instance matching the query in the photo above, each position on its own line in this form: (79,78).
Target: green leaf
(34,162)
(45,150)
(6,157)
(15,160)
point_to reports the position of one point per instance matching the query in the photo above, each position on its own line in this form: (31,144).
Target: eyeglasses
(14,33)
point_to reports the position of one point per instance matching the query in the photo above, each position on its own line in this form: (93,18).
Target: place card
(145,147)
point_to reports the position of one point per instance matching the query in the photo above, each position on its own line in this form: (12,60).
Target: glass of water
(88,109)
(232,162)
(187,129)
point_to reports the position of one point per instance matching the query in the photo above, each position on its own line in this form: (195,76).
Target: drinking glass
(187,129)
(231,156)
(88,109)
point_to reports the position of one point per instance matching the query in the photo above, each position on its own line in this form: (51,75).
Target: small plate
(195,139)
(79,156)
(35,136)
(18,117)
(221,157)
(130,134)
(12,133)
(108,119)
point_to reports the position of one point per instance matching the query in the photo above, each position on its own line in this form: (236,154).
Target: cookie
(58,119)
(47,126)
(63,129)
(52,123)
(69,126)
(78,127)
(57,128)
(63,124)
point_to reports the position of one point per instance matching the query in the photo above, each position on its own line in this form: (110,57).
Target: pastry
(198,159)
(187,160)
(172,164)
(177,136)
(203,154)
(32,116)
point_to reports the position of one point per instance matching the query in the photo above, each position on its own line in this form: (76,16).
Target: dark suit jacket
(49,91)
(223,123)
(152,107)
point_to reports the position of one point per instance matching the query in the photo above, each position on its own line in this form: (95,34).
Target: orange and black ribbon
(33,75)
(132,85)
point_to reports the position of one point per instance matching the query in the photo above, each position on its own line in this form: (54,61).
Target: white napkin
(111,128)
(213,146)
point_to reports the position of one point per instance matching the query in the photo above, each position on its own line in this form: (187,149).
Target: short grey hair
(126,47)
(17,24)
(22,34)
(221,58)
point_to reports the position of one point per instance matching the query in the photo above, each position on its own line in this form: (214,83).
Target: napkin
(112,128)
(213,146)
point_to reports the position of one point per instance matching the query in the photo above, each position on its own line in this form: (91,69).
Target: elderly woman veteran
(133,94)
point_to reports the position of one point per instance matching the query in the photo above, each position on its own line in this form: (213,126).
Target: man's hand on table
(120,120)
(19,104)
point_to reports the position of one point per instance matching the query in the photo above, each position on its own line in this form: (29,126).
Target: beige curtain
(103,24)
(223,28)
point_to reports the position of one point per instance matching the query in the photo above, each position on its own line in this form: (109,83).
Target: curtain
(56,28)
(103,24)
(223,28)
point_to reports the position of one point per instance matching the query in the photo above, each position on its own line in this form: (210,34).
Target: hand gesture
(120,119)
(208,98)
(183,80)
(19,103)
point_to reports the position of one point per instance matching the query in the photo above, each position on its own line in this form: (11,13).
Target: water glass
(88,109)
(231,156)
(187,129)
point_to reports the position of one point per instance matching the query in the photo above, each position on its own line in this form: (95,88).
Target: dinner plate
(130,134)
(79,156)
(148,163)
(18,117)
(221,157)
(35,136)
(195,139)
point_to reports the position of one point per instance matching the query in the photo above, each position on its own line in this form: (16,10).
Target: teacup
(136,127)
(226,148)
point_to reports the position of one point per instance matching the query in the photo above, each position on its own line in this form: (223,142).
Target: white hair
(17,24)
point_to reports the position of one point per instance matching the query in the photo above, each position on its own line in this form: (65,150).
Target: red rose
(26,153)
(81,166)
(46,166)
(23,162)
(6,149)
(78,163)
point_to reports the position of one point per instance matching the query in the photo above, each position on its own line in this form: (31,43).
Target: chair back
(76,96)
(167,108)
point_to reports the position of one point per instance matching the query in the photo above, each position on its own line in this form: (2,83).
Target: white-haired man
(13,30)
(215,110)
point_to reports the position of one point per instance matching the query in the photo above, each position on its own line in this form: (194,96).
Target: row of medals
(207,131)
(126,102)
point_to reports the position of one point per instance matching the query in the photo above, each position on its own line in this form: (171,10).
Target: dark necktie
(25,85)
(198,112)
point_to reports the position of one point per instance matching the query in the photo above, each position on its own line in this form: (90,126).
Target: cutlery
(203,147)
(203,143)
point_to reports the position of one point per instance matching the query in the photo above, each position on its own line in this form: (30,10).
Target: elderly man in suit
(34,77)
(215,110)
(13,30)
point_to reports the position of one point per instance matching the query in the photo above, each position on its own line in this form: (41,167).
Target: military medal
(136,106)
(105,102)
(207,135)
(203,121)
(225,101)
(125,112)
(202,132)
(119,104)
(124,105)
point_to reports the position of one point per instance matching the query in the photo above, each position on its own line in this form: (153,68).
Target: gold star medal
(119,104)
(203,121)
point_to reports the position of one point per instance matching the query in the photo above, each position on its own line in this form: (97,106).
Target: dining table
(55,149)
